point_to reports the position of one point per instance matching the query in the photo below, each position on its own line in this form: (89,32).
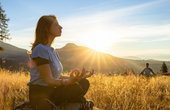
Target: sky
(121,28)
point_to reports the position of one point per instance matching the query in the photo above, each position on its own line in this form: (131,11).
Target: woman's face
(55,29)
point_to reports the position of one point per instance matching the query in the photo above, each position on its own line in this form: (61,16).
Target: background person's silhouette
(147,71)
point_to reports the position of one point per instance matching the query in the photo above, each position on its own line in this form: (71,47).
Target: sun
(97,40)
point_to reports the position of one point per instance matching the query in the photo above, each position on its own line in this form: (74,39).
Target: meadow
(107,92)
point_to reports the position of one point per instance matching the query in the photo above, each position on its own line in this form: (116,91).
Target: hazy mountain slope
(13,57)
(73,56)
(13,52)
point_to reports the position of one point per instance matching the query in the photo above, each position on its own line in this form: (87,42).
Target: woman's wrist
(64,82)
(67,82)
(61,82)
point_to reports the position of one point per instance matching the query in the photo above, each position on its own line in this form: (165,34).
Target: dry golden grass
(108,92)
(130,92)
(13,88)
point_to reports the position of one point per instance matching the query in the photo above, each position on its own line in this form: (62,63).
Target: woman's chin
(58,35)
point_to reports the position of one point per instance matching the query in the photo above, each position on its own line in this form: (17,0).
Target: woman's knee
(85,84)
(84,81)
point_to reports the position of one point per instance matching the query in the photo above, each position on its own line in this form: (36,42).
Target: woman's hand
(77,77)
(88,73)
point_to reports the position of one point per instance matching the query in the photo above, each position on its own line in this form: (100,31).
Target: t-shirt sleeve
(40,61)
(40,51)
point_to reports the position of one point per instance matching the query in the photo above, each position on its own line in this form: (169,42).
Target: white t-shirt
(46,52)
(147,71)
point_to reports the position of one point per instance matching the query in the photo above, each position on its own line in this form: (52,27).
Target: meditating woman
(46,81)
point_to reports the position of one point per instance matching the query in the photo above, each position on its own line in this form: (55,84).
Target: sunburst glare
(98,40)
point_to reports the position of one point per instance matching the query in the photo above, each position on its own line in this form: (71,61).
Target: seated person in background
(147,71)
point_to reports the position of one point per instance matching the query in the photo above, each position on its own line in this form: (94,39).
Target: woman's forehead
(55,22)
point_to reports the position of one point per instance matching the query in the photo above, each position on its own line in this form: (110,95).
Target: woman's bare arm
(45,71)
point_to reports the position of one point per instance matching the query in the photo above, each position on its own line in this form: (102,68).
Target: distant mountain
(73,56)
(132,57)
(160,56)
(13,57)
(156,57)
(13,52)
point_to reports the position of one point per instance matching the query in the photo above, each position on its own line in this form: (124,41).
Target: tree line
(4,32)
(164,68)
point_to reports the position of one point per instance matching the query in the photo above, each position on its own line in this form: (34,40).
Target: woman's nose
(61,27)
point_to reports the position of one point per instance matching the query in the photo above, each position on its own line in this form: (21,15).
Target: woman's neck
(50,41)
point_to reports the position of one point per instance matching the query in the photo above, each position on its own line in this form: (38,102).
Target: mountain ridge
(73,56)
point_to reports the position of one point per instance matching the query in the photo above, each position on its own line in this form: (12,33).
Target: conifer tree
(164,68)
(4,32)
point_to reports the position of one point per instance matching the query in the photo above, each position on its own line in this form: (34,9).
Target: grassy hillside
(108,92)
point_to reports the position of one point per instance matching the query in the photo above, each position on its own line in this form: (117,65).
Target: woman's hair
(42,28)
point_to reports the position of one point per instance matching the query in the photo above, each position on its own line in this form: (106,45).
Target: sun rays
(80,56)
